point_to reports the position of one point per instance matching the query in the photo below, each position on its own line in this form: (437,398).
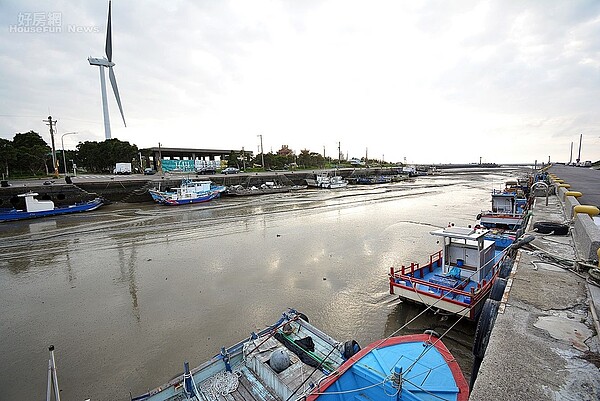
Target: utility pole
(159,164)
(339,153)
(50,123)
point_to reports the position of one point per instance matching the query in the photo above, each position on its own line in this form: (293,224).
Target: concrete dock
(544,344)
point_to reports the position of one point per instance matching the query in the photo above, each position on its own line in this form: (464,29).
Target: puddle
(565,329)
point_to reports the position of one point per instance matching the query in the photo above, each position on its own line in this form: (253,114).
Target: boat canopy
(466,251)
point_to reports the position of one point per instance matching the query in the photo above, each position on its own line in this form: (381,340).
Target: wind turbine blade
(113,82)
(108,47)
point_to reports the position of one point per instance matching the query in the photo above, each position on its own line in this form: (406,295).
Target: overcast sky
(429,81)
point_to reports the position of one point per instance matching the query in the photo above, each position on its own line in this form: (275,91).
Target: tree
(232,160)
(102,156)
(88,156)
(32,152)
(8,156)
(304,158)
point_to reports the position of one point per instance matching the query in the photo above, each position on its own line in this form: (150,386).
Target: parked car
(149,171)
(230,170)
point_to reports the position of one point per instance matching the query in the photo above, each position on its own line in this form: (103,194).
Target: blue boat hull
(204,197)
(413,367)
(13,214)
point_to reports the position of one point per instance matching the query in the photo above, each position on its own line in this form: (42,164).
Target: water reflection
(127,266)
(207,276)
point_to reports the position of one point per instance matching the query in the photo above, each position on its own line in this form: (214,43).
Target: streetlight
(63,148)
(262,153)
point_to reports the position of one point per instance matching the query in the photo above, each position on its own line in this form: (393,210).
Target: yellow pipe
(564,185)
(559,181)
(587,209)
(574,193)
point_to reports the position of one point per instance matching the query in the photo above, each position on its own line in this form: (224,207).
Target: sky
(442,81)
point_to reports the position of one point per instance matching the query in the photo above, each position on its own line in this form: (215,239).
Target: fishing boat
(188,192)
(43,208)
(509,207)
(292,359)
(324,180)
(375,179)
(457,278)
(269,187)
(412,367)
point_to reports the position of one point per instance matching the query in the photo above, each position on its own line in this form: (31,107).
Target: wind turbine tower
(102,63)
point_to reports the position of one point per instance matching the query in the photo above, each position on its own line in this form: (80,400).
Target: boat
(324,180)
(188,192)
(457,278)
(509,207)
(35,208)
(375,179)
(411,367)
(269,187)
(292,360)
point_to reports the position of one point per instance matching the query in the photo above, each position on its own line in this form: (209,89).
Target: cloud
(433,81)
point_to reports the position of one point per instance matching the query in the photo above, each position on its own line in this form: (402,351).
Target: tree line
(28,155)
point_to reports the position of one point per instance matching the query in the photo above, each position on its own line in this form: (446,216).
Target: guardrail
(586,234)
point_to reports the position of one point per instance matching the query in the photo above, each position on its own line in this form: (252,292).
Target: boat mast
(339,157)
(52,378)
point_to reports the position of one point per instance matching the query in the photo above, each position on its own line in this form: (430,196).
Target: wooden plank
(255,387)
(242,393)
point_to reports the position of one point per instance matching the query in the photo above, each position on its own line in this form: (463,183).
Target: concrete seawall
(544,344)
(132,189)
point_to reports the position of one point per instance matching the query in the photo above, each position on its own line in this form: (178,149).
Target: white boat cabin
(194,186)
(466,251)
(504,202)
(35,205)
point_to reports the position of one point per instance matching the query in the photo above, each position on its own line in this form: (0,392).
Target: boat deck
(252,377)
(437,277)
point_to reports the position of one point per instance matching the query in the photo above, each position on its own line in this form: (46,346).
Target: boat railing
(413,282)
(414,267)
(408,275)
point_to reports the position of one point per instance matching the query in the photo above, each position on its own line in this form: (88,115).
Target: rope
(311,373)
(309,353)
(353,390)
(563,263)
(425,391)
(273,333)
(222,383)
(451,291)
(426,349)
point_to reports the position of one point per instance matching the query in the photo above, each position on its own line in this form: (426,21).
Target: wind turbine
(103,63)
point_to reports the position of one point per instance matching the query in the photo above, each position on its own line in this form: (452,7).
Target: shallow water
(127,293)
